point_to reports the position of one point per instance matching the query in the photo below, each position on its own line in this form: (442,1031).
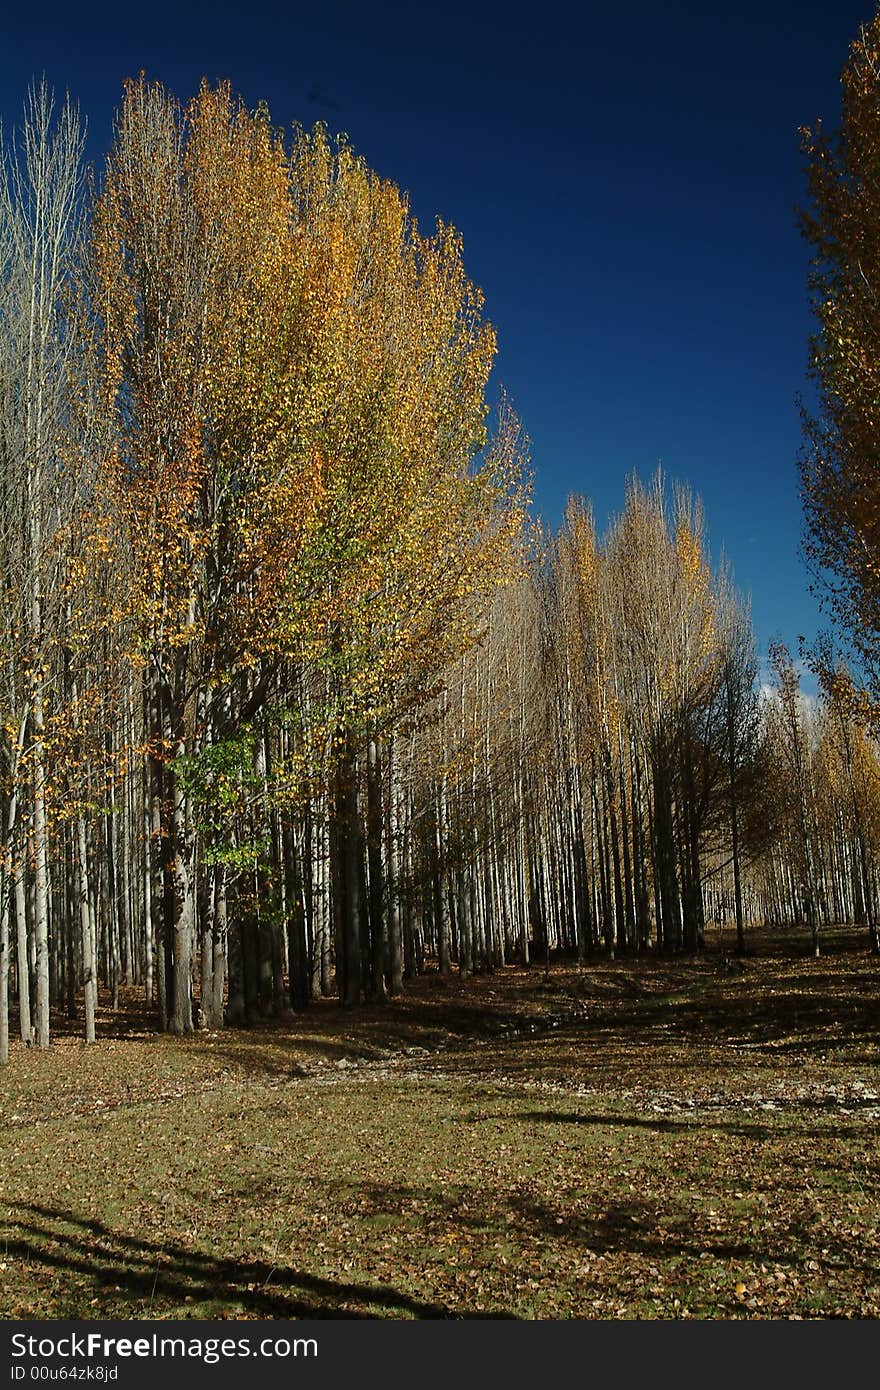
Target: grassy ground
(630,1139)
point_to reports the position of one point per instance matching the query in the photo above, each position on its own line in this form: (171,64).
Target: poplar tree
(840,466)
(40,233)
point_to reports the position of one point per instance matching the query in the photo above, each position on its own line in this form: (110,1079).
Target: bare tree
(41,217)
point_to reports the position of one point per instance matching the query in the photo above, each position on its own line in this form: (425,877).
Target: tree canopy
(840,467)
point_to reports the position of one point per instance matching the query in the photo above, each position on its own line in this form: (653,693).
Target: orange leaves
(296,378)
(198,308)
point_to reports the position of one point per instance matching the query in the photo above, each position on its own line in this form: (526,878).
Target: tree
(40,229)
(795,735)
(741,719)
(840,465)
(197,287)
(302,514)
(851,771)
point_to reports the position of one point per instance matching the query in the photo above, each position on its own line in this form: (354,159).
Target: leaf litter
(637,1138)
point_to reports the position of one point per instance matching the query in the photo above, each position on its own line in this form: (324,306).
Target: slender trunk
(5,885)
(734,836)
(87,933)
(349,871)
(395,939)
(208,907)
(180,1017)
(442,924)
(219,946)
(377,935)
(297,944)
(41,877)
(22,960)
(236,1008)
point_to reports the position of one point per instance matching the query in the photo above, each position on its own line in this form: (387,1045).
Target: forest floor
(640,1138)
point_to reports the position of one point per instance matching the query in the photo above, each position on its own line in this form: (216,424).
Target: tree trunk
(395,936)
(22,959)
(377,934)
(41,878)
(87,933)
(349,868)
(4,968)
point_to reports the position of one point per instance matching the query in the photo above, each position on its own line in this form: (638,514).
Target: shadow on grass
(633,1227)
(151,1273)
(688,1124)
(392,1034)
(672,1234)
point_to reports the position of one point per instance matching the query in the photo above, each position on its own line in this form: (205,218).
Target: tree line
(296,695)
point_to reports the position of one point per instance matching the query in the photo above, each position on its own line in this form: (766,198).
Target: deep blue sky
(625,179)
